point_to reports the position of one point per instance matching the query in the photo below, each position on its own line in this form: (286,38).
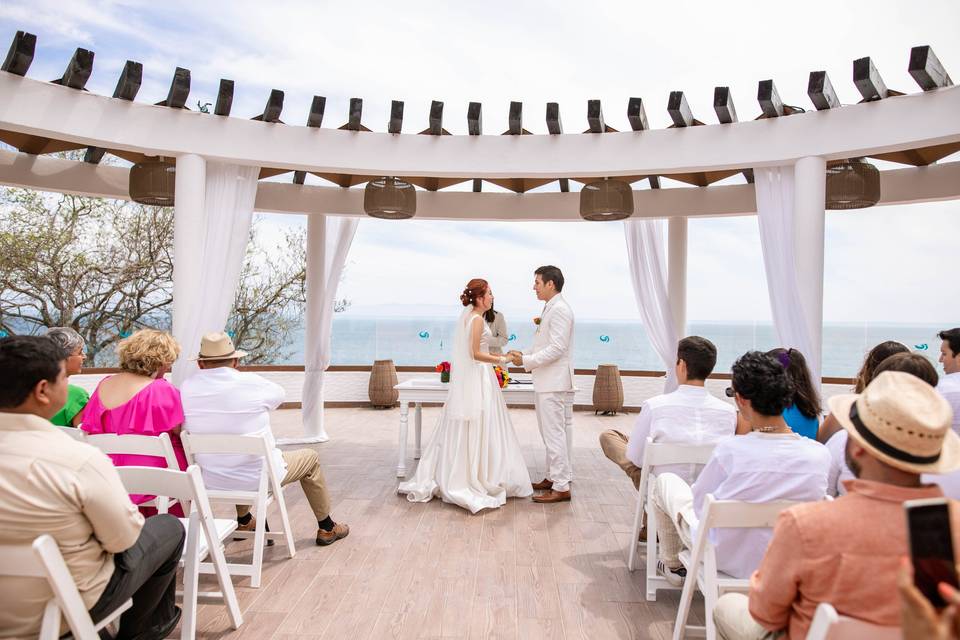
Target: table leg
(402,458)
(418,425)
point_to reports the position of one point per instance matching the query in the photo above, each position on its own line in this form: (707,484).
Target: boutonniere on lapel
(536,321)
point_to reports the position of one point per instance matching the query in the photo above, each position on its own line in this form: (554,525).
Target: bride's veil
(464,397)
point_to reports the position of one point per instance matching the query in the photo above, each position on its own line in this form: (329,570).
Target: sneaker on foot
(325,537)
(674,577)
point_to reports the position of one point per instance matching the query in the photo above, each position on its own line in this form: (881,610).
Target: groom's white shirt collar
(549,304)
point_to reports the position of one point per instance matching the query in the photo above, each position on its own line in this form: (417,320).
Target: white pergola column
(677,273)
(189,229)
(810,176)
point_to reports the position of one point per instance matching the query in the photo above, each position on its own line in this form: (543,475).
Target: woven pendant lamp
(606,200)
(153,182)
(852,184)
(390,199)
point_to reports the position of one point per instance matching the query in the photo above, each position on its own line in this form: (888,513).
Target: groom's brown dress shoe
(552,496)
(543,485)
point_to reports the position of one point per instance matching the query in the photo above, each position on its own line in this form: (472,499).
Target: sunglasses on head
(730,392)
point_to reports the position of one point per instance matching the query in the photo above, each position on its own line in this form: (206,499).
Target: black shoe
(158,632)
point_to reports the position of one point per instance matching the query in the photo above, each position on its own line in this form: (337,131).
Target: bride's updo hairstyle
(476,288)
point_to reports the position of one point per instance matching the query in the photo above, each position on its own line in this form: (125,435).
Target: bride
(473,458)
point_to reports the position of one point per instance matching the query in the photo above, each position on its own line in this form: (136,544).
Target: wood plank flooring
(417,571)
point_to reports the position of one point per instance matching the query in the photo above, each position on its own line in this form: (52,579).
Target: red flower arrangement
(444,369)
(503,377)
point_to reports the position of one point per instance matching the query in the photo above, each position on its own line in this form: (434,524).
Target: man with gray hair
(77,397)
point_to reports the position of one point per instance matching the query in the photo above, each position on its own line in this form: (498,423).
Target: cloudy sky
(888,264)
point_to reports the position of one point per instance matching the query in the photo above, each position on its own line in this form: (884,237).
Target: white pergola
(916,130)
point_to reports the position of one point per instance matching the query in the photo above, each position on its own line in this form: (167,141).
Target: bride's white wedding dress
(473,458)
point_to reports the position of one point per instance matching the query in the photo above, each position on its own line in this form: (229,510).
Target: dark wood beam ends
(869,83)
(353,121)
(273,108)
(637,115)
(564,185)
(654,182)
(224,98)
(723,105)
(20,55)
(821,91)
(128,85)
(595,117)
(474,119)
(554,124)
(769,99)
(395,124)
(299,177)
(317,106)
(926,69)
(435,121)
(477,185)
(679,111)
(515,121)
(78,70)
(179,90)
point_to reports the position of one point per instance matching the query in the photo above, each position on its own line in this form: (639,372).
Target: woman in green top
(77,397)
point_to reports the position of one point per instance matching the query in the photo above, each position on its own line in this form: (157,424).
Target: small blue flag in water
(512,337)
(921,347)
(3,334)
(232,334)
(424,335)
(604,338)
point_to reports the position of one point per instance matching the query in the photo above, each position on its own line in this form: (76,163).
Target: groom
(550,362)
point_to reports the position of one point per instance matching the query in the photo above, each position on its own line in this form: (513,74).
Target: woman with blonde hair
(138,400)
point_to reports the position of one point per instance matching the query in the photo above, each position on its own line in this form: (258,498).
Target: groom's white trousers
(555,419)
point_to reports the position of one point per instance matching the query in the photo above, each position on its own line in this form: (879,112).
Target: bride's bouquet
(502,376)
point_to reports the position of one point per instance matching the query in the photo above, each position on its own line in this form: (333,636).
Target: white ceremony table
(419,390)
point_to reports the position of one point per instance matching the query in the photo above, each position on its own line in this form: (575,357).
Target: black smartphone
(931,547)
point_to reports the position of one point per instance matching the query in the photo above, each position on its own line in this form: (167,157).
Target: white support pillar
(677,273)
(189,230)
(810,176)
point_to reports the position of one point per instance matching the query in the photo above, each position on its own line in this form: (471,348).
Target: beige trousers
(303,465)
(734,622)
(673,501)
(614,445)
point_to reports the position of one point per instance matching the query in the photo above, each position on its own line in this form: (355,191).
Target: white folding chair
(187,487)
(43,560)
(829,625)
(701,561)
(267,491)
(75,433)
(658,453)
(134,444)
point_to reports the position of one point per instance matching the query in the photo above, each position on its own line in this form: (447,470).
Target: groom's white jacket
(550,359)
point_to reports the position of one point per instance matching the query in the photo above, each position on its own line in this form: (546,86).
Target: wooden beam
(395,124)
(179,90)
(821,92)
(637,115)
(769,99)
(515,119)
(679,110)
(20,54)
(315,118)
(926,69)
(595,117)
(127,88)
(554,124)
(273,108)
(474,119)
(435,120)
(356,111)
(868,80)
(78,70)
(224,98)
(723,105)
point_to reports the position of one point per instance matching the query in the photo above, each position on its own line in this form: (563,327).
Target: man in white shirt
(949,385)
(219,399)
(769,463)
(689,415)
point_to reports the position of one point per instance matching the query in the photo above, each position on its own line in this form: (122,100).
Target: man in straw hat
(219,399)
(847,552)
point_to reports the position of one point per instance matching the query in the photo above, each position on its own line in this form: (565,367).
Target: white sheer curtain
(328,243)
(645,251)
(227,215)
(775,189)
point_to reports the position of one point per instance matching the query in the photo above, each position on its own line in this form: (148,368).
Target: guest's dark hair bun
(476,288)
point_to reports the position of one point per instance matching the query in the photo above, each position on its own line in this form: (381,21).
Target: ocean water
(426,341)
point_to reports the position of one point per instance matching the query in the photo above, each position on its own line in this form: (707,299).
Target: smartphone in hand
(931,546)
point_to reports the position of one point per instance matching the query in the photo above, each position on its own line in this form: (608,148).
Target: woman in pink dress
(139,401)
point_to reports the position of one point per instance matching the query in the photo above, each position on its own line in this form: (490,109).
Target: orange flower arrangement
(503,377)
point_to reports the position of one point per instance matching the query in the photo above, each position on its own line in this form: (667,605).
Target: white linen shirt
(758,467)
(224,401)
(689,415)
(949,388)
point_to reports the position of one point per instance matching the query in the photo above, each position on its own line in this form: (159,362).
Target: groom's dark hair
(550,273)
(700,355)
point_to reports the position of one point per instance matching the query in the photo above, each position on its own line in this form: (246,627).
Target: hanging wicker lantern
(390,199)
(606,200)
(153,182)
(852,184)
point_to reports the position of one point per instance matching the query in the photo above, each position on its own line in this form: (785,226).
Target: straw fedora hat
(903,422)
(218,346)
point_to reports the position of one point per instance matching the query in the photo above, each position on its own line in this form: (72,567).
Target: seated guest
(689,415)
(803,414)
(876,355)
(949,386)
(52,484)
(77,397)
(769,463)
(138,400)
(848,551)
(911,363)
(219,399)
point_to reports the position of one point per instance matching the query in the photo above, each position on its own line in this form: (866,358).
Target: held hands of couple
(515,358)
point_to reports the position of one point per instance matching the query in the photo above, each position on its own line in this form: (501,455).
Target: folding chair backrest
(720,514)
(75,433)
(134,444)
(829,625)
(658,453)
(208,444)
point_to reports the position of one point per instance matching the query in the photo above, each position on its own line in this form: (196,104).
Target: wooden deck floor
(525,571)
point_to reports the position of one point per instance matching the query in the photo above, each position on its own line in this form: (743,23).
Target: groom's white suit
(551,363)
